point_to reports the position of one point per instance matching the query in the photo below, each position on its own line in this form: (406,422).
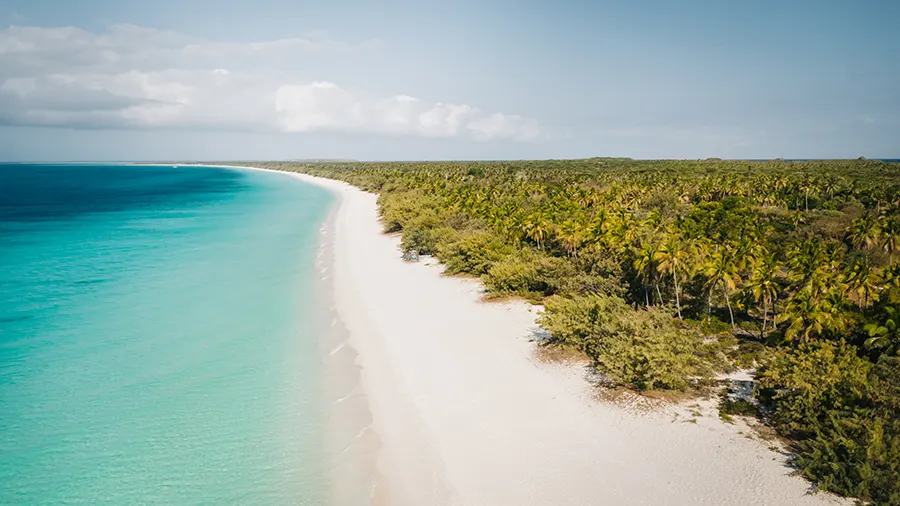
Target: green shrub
(525,273)
(533,273)
(473,252)
(856,453)
(580,322)
(418,240)
(737,407)
(595,272)
(643,349)
(845,415)
(515,274)
(804,385)
(398,209)
(579,283)
(881,465)
(649,352)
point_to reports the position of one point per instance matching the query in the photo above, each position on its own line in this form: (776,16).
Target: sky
(451,79)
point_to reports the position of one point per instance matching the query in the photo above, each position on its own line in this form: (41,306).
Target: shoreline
(466,414)
(352,445)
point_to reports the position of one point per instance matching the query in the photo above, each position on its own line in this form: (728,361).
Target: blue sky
(267,79)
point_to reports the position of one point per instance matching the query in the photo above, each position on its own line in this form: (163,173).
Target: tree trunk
(728,303)
(677,297)
(709,303)
(658,293)
(762,333)
(775,312)
(646,295)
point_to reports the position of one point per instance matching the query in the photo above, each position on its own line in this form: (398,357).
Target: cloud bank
(135,77)
(324,106)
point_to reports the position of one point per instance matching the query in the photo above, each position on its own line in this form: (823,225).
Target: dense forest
(667,273)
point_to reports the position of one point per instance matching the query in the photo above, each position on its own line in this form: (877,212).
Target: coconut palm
(890,237)
(645,266)
(721,269)
(806,317)
(537,228)
(861,283)
(571,235)
(670,259)
(864,232)
(884,335)
(807,263)
(764,287)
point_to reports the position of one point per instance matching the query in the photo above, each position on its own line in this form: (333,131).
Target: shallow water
(157,336)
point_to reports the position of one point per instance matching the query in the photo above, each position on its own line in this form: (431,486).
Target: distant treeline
(665,272)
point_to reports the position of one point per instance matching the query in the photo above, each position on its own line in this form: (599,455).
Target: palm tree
(536,229)
(571,235)
(806,186)
(764,287)
(807,261)
(885,336)
(746,252)
(653,220)
(722,269)
(596,232)
(891,277)
(864,232)
(670,260)
(890,237)
(805,316)
(645,266)
(797,218)
(860,282)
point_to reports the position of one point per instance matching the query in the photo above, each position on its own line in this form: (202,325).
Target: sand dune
(466,414)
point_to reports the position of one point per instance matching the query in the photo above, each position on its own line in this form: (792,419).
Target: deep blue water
(157,336)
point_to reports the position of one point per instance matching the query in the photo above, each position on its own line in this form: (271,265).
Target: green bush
(804,385)
(398,209)
(418,240)
(596,272)
(642,348)
(737,407)
(580,322)
(527,273)
(650,353)
(473,252)
(881,466)
(532,273)
(844,413)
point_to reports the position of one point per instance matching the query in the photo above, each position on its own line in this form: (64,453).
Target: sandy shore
(466,414)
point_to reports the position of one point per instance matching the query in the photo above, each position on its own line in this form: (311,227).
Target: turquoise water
(157,336)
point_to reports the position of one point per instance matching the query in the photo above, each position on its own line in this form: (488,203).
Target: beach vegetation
(664,271)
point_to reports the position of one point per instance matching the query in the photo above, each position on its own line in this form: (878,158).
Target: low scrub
(843,413)
(472,252)
(643,348)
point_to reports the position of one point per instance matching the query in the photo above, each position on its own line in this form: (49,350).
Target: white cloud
(500,125)
(135,77)
(327,107)
(317,106)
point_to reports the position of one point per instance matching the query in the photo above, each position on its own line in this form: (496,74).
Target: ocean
(158,336)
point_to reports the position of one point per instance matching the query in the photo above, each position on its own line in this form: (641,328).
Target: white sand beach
(466,414)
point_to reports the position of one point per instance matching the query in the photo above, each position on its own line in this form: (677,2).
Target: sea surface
(158,336)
